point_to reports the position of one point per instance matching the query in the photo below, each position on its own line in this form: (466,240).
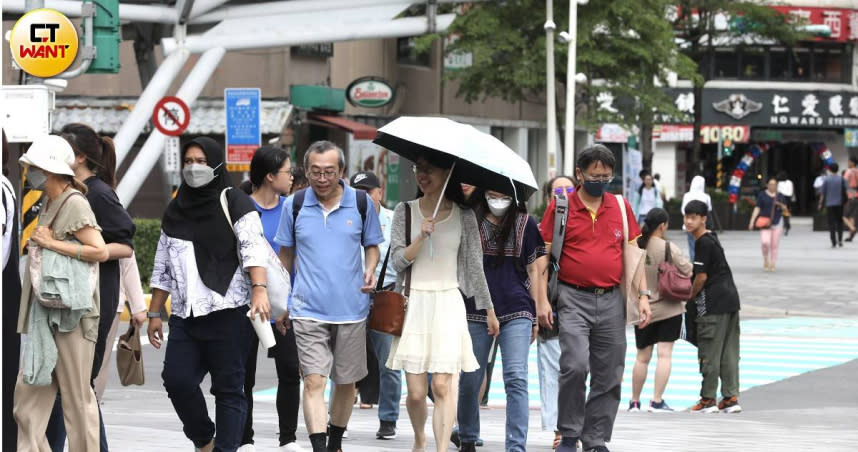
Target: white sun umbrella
(479,159)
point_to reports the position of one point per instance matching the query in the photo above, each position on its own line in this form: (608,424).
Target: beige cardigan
(654,257)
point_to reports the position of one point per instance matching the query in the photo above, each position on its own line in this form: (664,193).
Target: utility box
(106,37)
(26,112)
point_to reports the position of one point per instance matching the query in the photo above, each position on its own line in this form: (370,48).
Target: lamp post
(571,39)
(550,99)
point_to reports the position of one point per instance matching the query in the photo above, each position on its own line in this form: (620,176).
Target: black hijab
(196,215)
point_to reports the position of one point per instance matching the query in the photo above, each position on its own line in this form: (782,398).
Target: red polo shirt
(592,253)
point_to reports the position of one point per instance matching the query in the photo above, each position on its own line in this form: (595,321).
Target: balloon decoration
(754,152)
(824,153)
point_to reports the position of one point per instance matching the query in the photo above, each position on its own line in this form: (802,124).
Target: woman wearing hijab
(211,274)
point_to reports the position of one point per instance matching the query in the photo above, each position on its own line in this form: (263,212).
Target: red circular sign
(171,116)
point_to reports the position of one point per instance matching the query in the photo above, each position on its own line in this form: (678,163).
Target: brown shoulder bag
(387,312)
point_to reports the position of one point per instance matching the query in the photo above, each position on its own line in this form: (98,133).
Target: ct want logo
(44,42)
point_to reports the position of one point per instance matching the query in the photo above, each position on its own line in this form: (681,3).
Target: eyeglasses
(559,190)
(602,179)
(426,170)
(316,175)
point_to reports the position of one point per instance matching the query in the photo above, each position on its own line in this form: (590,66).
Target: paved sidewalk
(817,410)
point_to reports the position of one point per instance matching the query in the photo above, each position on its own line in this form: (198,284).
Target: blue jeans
(548,357)
(514,342)
(217,344)
(390,381)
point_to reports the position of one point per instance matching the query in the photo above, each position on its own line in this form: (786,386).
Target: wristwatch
(153,315)
(647,292)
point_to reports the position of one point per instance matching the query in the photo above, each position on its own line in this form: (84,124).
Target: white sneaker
(291,447)
(246,448)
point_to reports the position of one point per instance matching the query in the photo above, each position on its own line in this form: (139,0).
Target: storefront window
(725,64)
(779,63)
(406,54)
(828,64)
(801,63)
(753,63)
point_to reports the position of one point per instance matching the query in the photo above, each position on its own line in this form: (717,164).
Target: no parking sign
(171,116)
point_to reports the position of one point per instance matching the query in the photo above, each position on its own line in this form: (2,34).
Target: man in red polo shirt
(591,309)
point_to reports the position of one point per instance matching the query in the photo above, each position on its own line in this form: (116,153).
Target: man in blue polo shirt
(330,300)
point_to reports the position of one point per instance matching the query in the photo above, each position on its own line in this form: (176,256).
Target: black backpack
(298,202)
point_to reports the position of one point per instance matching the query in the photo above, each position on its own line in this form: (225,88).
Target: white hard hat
(50,153)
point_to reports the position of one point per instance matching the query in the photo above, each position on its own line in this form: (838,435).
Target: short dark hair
(595,153)
(697,207)
(322,146)
(656,176)
(834,168)
(266,160)
(854,160)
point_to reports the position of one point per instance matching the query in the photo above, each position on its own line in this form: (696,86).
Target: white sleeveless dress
(435,334)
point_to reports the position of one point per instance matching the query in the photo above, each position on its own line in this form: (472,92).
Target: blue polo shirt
(329,272)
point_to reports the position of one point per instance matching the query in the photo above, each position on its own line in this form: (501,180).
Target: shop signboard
(682,133)
(769,108)
(369,92)
(842,23)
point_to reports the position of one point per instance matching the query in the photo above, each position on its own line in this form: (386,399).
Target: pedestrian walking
(548,344)
(445,257)
(59,353)
(666,324)
(646,198)
(514,258)
(270,181)
(716,303)
(11,301)
(591,309)
(850,212)
(389,380)
(211,275)
(697,192)
(322,231)
(768,217)
(95,165)
(130,292)
(656,180)
(787,189)
(833,196)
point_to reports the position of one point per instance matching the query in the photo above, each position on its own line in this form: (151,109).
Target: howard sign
(369,92)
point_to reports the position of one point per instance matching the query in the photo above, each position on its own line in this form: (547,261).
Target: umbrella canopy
(481,159)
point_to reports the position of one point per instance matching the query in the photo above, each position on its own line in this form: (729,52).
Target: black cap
(366,180)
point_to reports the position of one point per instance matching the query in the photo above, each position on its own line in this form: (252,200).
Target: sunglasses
(559,190)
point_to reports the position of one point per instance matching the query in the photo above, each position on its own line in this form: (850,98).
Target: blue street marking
(771,350)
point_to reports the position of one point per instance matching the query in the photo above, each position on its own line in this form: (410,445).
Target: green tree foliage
(145,244)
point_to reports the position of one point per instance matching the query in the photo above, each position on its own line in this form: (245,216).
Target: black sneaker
(468,447)
(597,449)
(454,437)
(386,430)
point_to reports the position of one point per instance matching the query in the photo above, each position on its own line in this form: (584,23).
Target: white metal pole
(550,101)
(569,151)
(154,146)
(157,87)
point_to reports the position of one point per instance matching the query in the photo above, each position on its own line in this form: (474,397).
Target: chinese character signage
(242,124)
(766,107)
(843,23)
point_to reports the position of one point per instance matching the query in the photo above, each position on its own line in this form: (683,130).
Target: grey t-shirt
(832,188)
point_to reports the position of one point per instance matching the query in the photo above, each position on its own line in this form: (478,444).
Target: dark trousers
(11,354)
(285,354)
(368,386)
(217,344)
(835,223)
(592,339)
(249,383)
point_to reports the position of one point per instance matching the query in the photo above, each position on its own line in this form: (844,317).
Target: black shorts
(851,210)
(666,330)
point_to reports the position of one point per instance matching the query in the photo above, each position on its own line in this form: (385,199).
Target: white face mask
(197,175)
(498,206)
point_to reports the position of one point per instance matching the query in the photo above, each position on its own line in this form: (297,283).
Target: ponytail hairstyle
(99,151)
(266,160)
(655,218)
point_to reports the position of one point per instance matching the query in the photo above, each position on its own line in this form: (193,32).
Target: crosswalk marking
(770,350)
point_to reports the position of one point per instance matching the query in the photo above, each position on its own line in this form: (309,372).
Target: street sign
(171,116)
(243,124)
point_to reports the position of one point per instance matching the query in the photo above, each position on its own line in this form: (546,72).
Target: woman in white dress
(446,260)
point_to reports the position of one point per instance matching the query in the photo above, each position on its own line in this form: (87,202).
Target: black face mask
(595,188)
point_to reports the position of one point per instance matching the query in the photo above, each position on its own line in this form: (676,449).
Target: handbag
(129,357)
(34,251)
(279,285)
(672,284)
(387,311)
(763,222)
(633,269)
